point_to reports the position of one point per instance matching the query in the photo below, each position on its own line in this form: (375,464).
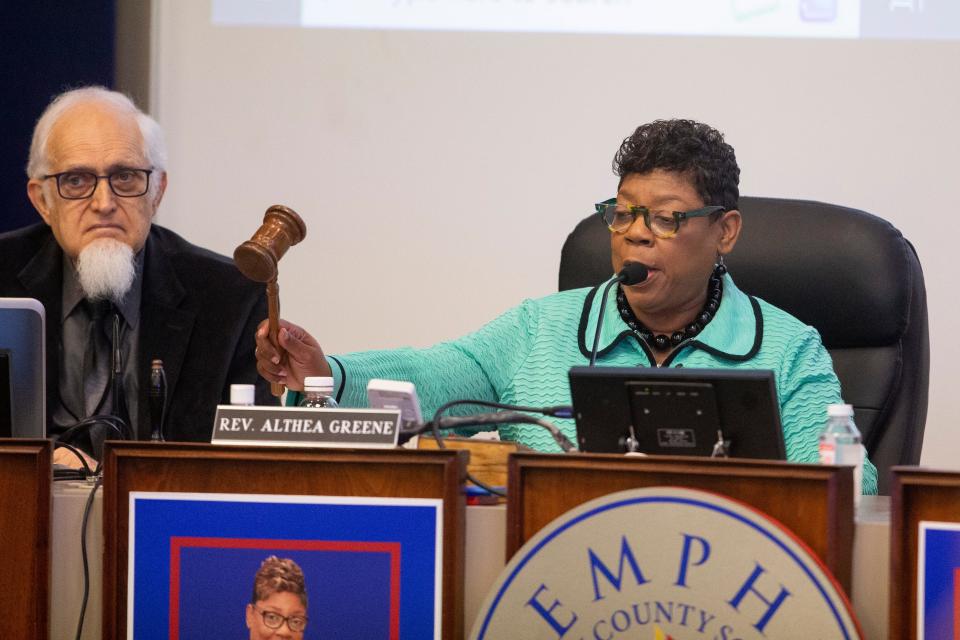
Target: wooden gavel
(258,257)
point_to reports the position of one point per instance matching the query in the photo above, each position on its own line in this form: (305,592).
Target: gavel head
(257,258)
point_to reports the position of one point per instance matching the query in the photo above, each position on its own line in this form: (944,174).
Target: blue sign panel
(208,565)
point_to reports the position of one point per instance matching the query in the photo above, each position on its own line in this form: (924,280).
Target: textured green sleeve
(807,385)
(477,366)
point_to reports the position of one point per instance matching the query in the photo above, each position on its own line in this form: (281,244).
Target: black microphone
(157,398)
(632,273)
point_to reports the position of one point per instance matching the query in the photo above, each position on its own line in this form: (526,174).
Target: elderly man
(97,174)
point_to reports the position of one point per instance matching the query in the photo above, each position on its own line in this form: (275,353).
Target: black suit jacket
(198,314)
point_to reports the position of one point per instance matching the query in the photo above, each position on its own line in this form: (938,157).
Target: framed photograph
(234,565)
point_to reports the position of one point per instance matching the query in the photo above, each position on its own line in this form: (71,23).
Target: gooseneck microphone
(632,273)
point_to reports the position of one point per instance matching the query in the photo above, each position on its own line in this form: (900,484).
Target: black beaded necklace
(662,341)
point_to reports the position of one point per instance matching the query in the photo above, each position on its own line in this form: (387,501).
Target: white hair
(155,148)
(106,269)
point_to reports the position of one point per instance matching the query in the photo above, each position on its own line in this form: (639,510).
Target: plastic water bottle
(318,392)
(243,395)
(840,443)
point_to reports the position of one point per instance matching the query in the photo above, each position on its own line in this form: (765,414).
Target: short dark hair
(687,147)
(278,575)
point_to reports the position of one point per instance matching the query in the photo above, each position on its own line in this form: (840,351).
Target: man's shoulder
(210,280)
(26,240)
(17,247)
(194,262)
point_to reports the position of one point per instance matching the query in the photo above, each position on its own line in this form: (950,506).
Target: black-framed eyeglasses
(663,224)
(79,185)
(273,620)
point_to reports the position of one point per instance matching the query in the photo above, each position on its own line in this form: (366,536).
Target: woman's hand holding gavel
(296,356)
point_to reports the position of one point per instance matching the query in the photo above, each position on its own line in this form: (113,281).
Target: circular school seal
(665,563)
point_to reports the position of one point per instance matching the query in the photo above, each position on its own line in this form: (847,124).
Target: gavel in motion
(258,257)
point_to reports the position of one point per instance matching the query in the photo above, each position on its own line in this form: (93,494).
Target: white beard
(106,269)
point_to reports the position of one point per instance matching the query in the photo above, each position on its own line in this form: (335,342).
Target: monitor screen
(22,369)
(677,411)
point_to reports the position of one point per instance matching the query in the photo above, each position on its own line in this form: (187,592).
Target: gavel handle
(273,315)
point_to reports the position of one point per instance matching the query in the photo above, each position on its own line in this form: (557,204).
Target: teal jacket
(523,356)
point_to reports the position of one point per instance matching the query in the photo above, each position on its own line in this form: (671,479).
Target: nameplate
(301,427)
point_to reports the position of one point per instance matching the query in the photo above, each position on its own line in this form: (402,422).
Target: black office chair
(851,275)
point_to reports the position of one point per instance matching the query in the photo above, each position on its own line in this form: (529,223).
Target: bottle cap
(840,411)
(243,394)
(321,383)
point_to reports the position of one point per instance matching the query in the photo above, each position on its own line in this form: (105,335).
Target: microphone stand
(632,273)
(116,369)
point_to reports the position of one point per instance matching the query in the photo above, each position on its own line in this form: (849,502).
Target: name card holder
(306,427)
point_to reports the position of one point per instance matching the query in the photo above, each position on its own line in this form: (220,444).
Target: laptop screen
(22,369)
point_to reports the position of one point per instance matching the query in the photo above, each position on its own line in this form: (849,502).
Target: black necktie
(96,358)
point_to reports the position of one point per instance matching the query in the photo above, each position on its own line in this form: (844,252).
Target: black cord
(511,414)
(113,422)
(558,411)
(76,452)
(440,444)
(83,554)
(506,417)
(470,477)
(486,487)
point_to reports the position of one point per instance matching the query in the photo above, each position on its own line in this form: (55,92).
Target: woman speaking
(675,212)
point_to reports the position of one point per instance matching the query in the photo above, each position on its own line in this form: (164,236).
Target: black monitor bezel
(602,408)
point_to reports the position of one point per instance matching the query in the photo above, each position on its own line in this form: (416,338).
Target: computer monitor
(677,411)
(23,410)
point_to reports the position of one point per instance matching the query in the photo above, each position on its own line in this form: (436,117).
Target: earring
(720,268)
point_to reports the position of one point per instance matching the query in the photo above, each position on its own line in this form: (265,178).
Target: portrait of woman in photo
(278,606)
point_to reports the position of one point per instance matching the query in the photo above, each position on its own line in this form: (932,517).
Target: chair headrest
(839,269)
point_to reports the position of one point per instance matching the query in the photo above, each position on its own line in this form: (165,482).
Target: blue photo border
(157,518)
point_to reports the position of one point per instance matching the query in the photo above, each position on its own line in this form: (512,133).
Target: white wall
(439,173)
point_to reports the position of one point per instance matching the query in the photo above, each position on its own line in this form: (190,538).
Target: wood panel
(204,468)
(26,473)
(813,501)
(915,495)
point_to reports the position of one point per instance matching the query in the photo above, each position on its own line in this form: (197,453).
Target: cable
(511,414)
(113,422)
(83,554)
(72,449)
(560,411)
(470,477)
(506,417)
(117,424)
(486,487)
